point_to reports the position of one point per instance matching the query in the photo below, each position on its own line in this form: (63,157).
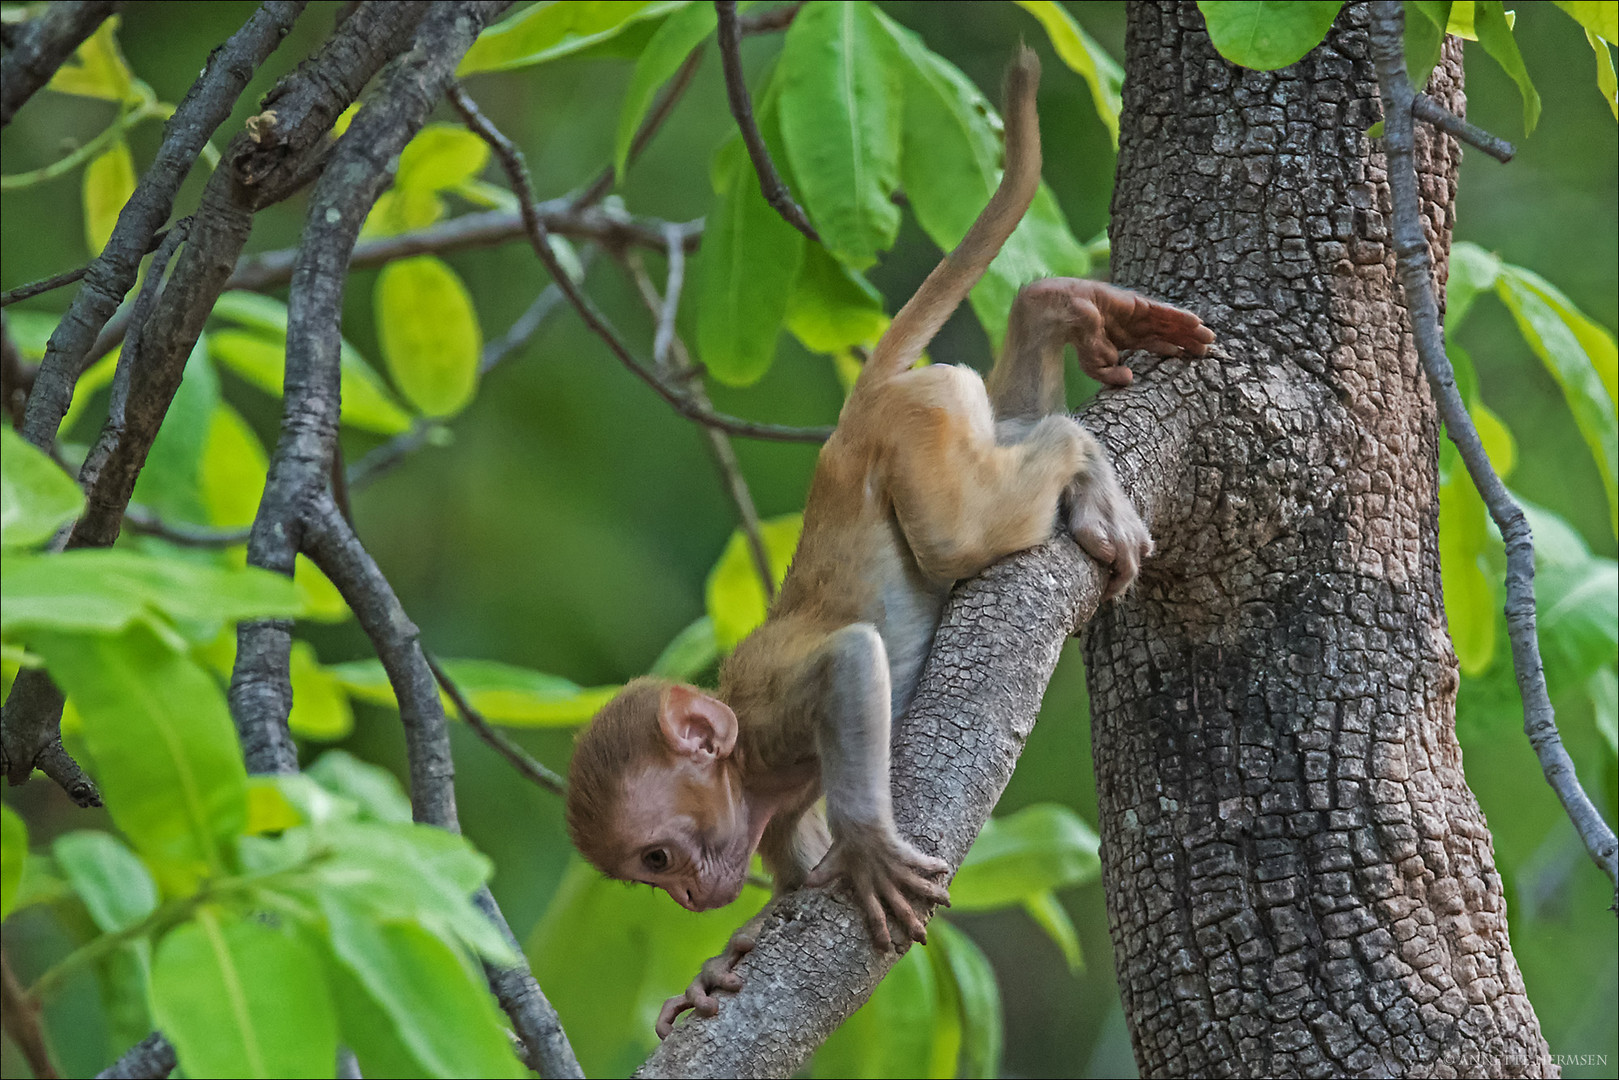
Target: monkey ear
(696,724)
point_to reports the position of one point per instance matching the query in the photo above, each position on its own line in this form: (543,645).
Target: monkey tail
(959,271)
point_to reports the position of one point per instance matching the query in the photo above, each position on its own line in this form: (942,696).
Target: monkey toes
(1104,523)
(717,973)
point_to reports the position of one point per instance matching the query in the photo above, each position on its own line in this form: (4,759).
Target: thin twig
(511,160)
(146,522)
(649,127)
(67,277)
(1416,270)
(719,444)
(736,92)
(520,759)
(20,1015)
(1427,109)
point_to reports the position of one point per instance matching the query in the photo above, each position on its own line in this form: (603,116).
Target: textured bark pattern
(1299,881)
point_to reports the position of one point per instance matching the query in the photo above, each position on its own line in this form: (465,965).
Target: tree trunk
(1299,881)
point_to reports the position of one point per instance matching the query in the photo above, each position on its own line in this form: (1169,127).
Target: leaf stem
(146,110)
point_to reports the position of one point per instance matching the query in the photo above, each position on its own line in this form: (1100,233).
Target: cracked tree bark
(1299,881)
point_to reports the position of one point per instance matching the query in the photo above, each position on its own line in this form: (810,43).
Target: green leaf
(162,745)
(376,790)
(1603,687)
(1578,616)
(233,470)
(734,594)
(429,334)
(682,32)
(745,274)
(503,693)
(833,307)
(1499,445)
(36,496)
(893,1033)
(98,69)
(1039,848)
(114,884)
(13,856)
(442,1013)
(109,181)
(840,121)
(1581,357)
(238,998)
(1425,22)
(545,32)
(1267,34)
(693,651)
(1472,272)
(1049,914)
(105,591)
(1495,34)
(170,481)
(439,158)
(320,707)
(1599,17)
(1076,49)
(1607,82)
(260,358)
(1464,546)
(978,995)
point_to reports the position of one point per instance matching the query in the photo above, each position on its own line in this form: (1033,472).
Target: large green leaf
(1581,357)
(171,480)
(260,358)
(833,307)
(114,884)
(1049,914)
(162,745)
(109,181)
(1267,34)
(374,789)
(675,39)
(1600,17)
(439,1007)
(502,693)
(13,856)
(107,590)
(1425,22)
(840,120)
(609,955)
(546,31)
(1607,79)
(440,157)
(746,271)
(36,496)
(1041,847)
(429,333)
(958,958)
(320,707)
(734,594)
(1077,49)
(239,998)
(896,1032)
(1495,35)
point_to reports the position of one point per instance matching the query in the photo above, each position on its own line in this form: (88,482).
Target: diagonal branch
(520,759)
(1430,111)
(511,159)
(1416,275)
(43,44)
(736,92)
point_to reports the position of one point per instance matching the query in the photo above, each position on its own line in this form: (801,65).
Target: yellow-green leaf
(1606,80)
(833,307)
(1077,49)
(429,334)
(233,469)
(320,707)
(1470,606)
(501,693)
(260,358)
(544,32)
(1599,17)
(109,181)
(734,593)
(36,496)
(98,69)
(13,854)
(441,156)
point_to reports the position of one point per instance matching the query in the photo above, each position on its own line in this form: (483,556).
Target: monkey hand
(883,870)
(717,973)
(1104,523)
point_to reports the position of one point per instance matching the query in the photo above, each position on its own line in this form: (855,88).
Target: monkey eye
(656,860)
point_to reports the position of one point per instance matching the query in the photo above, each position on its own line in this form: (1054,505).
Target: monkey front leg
(850,686)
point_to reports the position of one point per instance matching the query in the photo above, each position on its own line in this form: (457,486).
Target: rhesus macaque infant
(928,479)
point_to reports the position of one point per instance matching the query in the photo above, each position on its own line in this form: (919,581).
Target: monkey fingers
(880,876)
(716,974)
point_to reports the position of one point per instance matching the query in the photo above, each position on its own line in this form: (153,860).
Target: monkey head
(655,795)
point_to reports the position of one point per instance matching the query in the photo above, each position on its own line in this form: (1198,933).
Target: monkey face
(683,827)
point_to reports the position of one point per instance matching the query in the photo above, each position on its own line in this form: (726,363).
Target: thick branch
(953,753)
(153,1056)
(43,44)
(511,160)
(1416,275)
(736,93)
(206,105)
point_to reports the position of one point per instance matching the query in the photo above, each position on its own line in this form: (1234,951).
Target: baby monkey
(928,479)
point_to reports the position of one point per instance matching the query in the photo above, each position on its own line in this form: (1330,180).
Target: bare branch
(110,276)
(1416,275)
(41,46)
(768,22)
(521,760)
(144,522)
(1427,109)
(736,92)
(66,277)
(150,1059)
(511,160)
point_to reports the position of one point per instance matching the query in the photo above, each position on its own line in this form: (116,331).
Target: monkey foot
(717,973)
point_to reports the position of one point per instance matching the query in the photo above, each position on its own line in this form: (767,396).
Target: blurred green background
(570,525)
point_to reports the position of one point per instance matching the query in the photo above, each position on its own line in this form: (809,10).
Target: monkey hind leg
(965,498)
